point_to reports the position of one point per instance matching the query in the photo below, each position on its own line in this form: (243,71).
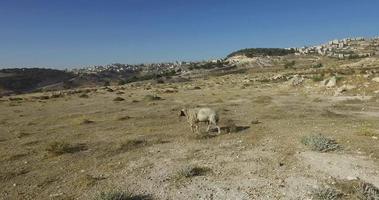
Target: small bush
(152,98)
(121,82)
(317,78)
(87,121)
(191,171)
(367,191)
(121,195)
(132,144)
(327,194)
(107,83)
(318,65)
(118,99)
(123,118)
(15,99)
(289,65)
(320,143)
(59,148)
(84,96)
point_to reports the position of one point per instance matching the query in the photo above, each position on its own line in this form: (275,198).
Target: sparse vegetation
(367,191)
(318,65)
(118,99)
(87,121)
(317,78)
(129,145)
(320,143)
(84,96)
(150,97)
(121,195)
(122,118)
(289,65)
(192,171)
(327,194)
(58,148)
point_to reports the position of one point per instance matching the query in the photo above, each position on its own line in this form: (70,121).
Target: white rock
(332,82)
(376,79)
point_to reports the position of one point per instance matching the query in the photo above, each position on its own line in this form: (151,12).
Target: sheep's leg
(192,128)
(197,128)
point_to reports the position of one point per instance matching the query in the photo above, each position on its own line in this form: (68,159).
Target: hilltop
(15,81)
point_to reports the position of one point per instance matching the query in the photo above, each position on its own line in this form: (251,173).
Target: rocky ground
(77,144)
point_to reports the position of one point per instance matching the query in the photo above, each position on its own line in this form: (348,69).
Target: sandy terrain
(140,145)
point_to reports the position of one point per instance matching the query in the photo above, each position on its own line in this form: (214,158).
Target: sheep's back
(204,114)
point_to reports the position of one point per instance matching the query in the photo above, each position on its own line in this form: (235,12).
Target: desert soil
(140,145)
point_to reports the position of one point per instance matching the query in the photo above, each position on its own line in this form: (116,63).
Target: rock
(332,82)
(343,89)
(296,80)
(376,79)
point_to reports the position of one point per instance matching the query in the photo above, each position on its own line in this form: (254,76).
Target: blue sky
(66,33)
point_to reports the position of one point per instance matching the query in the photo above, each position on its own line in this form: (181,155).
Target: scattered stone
(297,80)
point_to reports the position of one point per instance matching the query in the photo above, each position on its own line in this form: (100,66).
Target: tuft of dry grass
(367,191)
(84,96)
(129,145)
(59,148)
(122,118)
(87,121)
(263,99)
(191,171)
(150,97)
(121,195)
(118,99)
(320,143)
(327,194)
(15,99)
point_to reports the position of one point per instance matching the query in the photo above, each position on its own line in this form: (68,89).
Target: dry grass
(59,148)
(150,97)
(84,96)
(87,121)
(121,195)
(118,99)
(191,171)
(353,189)
(327,194)
(122,118)
(263,100)
(130,145)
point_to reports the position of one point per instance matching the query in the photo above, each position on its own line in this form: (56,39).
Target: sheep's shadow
(227,129)
(234,129)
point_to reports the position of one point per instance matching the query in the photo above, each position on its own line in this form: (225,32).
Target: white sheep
(196,115)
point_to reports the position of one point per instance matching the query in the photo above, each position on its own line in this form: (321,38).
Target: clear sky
(66,33)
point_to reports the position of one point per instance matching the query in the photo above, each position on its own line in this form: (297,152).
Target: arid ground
(76,145)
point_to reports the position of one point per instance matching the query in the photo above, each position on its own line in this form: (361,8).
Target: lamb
(196,115)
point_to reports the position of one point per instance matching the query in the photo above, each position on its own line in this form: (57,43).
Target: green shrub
(320,143)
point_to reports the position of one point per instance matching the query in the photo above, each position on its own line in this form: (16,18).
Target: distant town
(356,47)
